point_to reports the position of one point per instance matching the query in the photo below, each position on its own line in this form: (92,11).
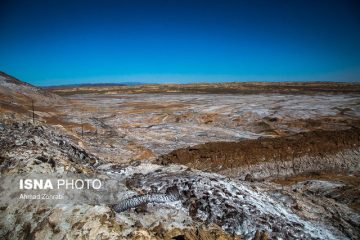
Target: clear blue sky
(56,42)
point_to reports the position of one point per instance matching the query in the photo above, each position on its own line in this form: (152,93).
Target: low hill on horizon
(215,88)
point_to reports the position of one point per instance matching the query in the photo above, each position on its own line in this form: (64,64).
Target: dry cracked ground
(218,161)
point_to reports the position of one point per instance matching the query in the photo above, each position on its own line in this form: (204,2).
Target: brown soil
(68,125)
(210,156)
(200,233)
(8,107)
(143,153)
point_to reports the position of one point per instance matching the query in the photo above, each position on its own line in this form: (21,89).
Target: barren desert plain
(191,161)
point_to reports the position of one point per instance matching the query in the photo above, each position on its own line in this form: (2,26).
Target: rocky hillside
(17,96)
(206,204)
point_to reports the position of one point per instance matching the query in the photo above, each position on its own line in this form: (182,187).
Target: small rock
(249,178)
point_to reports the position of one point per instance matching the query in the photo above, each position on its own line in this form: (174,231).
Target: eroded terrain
(144,126)
(283,164)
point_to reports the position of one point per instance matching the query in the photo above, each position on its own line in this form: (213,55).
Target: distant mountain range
(94,85)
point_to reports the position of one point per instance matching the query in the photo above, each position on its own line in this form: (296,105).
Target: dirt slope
(17,96)
(220,156)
